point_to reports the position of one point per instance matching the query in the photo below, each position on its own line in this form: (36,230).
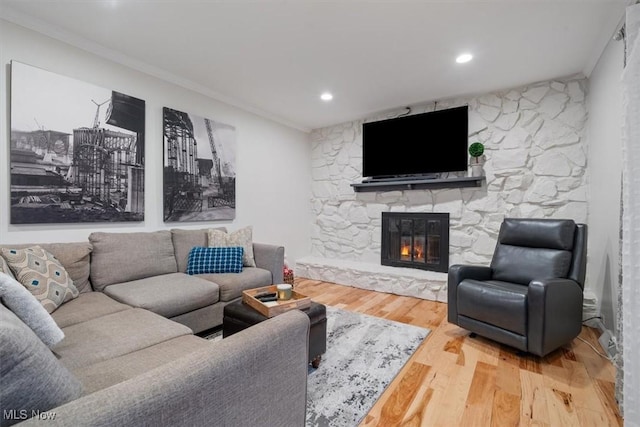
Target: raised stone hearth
(411,282)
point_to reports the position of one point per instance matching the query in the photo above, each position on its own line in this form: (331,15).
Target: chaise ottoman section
(168,295)
(114,335)
(113,371)
(87,306)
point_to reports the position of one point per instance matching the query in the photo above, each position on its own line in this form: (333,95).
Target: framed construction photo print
(199,168)
(77,150)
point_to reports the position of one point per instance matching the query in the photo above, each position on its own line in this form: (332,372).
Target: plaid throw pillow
(215,260)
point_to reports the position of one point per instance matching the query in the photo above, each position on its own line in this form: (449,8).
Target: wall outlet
(608,343)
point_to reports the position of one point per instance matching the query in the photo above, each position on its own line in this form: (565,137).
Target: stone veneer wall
(535,146)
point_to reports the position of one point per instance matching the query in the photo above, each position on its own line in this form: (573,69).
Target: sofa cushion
(87,306)
(104,374)
(242,237)
(28,309)
(42,274)
(232,284)
(73,256)
(167,295)
(215,260)
(184,240)
(538,233)
(32,378)
(520,264)
(121,257)
(528,246)
(114,335)
(497,303)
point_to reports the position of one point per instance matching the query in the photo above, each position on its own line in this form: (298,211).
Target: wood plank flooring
(455,380)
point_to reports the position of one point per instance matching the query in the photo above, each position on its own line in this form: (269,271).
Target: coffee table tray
(273,308)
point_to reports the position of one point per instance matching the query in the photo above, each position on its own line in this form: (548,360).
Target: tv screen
(421,144)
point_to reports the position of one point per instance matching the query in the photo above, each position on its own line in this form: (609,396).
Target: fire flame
(405,251)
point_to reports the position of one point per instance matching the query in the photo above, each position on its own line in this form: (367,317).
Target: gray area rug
(364,354)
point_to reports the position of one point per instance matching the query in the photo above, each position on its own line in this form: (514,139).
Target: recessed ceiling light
(465,57)
(326,96)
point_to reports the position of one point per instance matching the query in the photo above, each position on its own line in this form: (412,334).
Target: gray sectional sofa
(142,270)
(130,355)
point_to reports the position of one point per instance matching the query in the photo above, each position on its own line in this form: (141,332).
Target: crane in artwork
(214,152)
(96,120)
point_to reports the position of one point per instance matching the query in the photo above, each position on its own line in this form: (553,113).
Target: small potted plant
(476,151)
(288,275)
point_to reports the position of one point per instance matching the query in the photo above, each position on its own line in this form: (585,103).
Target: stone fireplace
(536,167)
(415,240)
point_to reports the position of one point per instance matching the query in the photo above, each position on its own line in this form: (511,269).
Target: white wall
(605,169)
(273,161)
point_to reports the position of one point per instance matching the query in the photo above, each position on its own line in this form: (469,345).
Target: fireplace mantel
(419,184)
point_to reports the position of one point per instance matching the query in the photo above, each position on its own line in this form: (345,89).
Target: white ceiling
(276,57)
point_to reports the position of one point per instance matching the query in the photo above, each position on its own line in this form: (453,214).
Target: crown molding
(39,26)
(610,25)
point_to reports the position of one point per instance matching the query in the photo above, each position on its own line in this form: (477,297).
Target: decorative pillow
(33,380)
(74,256)
(24,305)
(42,274)
(4,268)
(241,237)
(215,260)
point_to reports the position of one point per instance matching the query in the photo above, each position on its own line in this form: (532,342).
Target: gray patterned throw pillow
(42,274)
(4,268)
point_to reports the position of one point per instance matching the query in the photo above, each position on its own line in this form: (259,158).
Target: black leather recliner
(530,297)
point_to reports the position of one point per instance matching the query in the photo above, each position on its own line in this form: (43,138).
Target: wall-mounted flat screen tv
(417,145)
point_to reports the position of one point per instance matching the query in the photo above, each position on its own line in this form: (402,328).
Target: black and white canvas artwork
(199,168)
(77,150)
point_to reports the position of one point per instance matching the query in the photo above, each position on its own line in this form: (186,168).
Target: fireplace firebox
(416,240)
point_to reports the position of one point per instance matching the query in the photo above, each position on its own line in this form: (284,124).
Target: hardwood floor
(455,380)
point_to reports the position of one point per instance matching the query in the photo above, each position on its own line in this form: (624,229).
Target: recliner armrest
(458,273)
(554,314)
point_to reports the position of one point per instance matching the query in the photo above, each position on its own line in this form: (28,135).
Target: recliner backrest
(578,269)
(529,249)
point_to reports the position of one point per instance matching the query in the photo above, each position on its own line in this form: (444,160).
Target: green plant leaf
(476,149)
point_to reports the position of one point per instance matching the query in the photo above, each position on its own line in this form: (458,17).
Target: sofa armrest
(554,308)
(458,273)
(255,377)
(270,257)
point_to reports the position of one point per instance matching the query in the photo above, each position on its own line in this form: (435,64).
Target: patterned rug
(364,354)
